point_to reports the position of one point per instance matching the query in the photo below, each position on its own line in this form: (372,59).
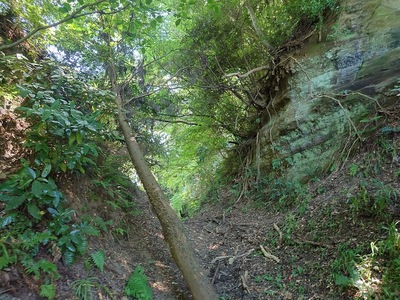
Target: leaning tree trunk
(172,227)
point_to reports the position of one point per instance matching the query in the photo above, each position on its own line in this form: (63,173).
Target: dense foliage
(196,78)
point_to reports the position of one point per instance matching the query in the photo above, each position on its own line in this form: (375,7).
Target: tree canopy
(191,82)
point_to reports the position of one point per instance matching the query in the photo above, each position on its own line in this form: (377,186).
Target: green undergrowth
(38,227)
(347,223)
(371,270)
(138,286)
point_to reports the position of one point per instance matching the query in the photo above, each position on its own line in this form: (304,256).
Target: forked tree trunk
(172,227)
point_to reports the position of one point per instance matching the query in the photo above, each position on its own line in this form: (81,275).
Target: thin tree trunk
(174,235)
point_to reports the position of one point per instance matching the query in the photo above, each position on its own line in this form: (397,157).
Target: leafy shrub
(62,138)
(374,273)
(344,270)
(278,192)
(30,192)
(84,288)
(373,199)
(60,133)
(390,249)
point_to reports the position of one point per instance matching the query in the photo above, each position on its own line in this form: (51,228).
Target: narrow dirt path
(229,245)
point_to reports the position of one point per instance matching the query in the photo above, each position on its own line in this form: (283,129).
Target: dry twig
(280,234)
(231,257)
(269,255)
(244,278)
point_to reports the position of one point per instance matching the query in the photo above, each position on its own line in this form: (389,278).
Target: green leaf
(46,170)
(53,211)
(79,137)
(40,95)
(57,197)
(34,211)
(31,172)
(63,167)
(25,183)
(37,188)
(14,202)
(81,169)
(177,22)
(67,6)
(72,139)
(6,221)
(153,23)
(71,164)
(148,2)
(23,92)
(46,114)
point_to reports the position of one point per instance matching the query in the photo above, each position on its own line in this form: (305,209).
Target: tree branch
(74,15)
(239,75)
(162,86)
(177,121)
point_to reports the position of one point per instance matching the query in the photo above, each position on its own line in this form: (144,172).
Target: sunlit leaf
(53,211)
(63,167)
(31,172)
(46,170)
(57,197)
(7,220)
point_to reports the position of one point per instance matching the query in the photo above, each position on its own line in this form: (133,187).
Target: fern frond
(98,259)
(31,267)
(138,285)
(84,288)
(48,291)
(48,267)
(5,261)
(69,257)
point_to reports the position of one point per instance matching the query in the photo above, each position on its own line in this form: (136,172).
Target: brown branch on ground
(244,279)
(268,254)
(280,234)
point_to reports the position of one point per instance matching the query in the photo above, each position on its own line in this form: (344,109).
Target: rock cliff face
(339,86)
